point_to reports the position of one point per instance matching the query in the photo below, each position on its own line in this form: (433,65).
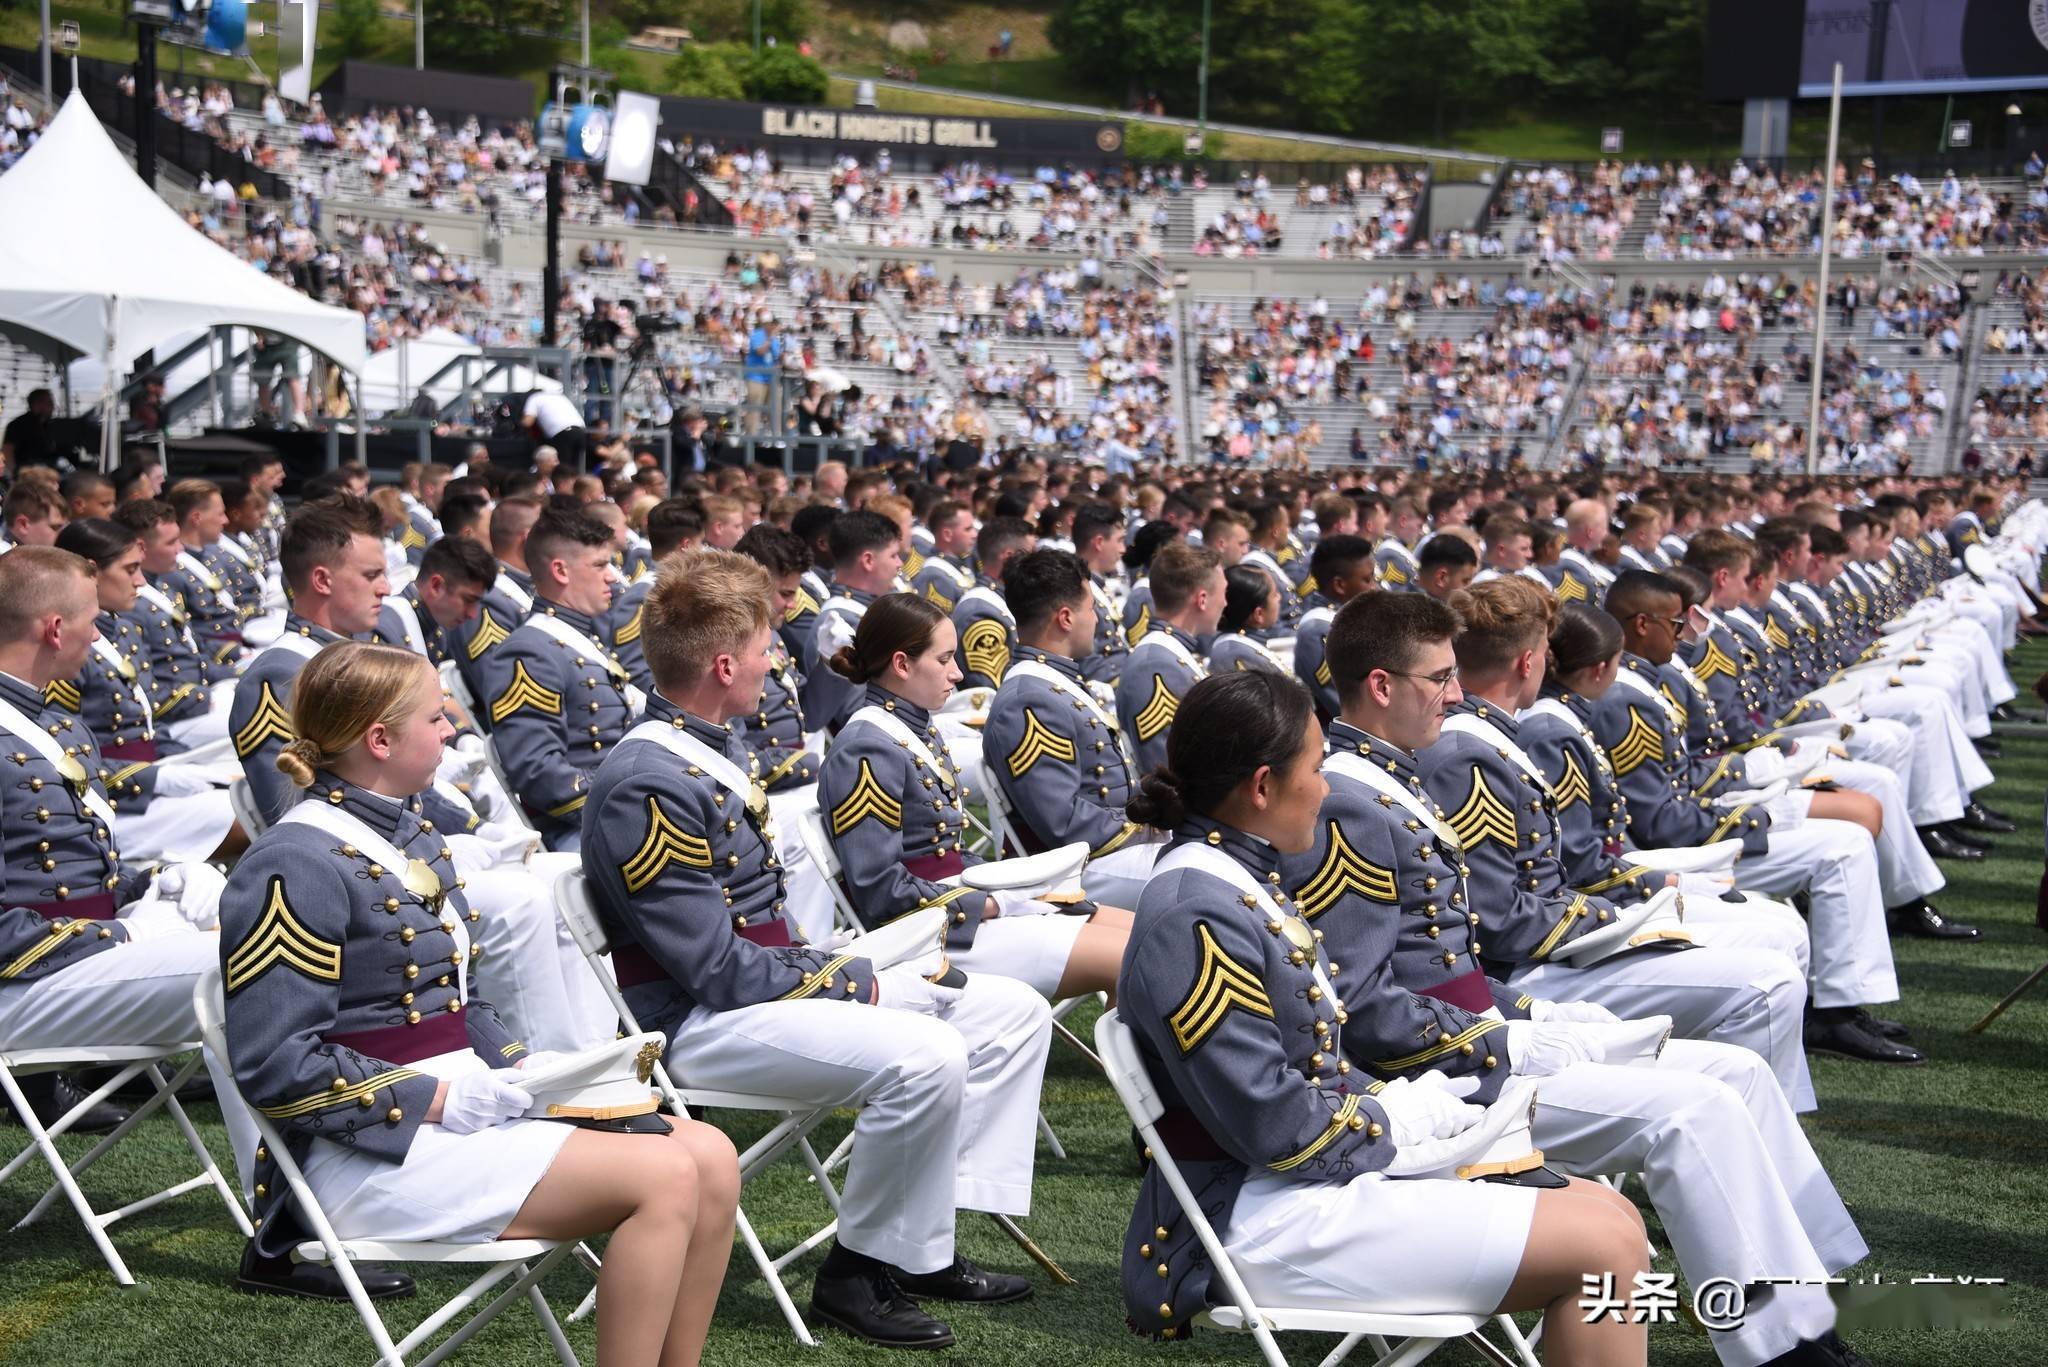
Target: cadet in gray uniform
(174,811)
(1187,593)
(1340,568)
(671,524)
(189,692)
(1099,542)
(216,617)
(91,954)
(347,951)
(1251,605)
(867,555)
(510,599)
(946,1077)
(1056,751)
(894,806)
(775,731)
(444,596)
(948,569)
(1242,1032)
(556,696)
(1734,1179)
(981,618)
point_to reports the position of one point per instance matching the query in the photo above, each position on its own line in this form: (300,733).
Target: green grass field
(1945,1168)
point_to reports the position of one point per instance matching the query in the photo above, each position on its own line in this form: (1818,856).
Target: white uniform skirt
(458,1188)
(176,829)
(1032,949)
(1421,1246)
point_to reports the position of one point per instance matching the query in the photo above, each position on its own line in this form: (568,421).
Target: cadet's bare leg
(1098,955)
(1580,1230)
(668,1203)
(1845,805)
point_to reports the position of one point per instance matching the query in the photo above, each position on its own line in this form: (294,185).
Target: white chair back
(242,802)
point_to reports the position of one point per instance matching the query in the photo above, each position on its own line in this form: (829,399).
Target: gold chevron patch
(1308,586)
(1135,632)
(1340,1121)
(804,603)
(1570,589)
(986,649)
(1775,634)
(1158,712)
(1323,673)
(937,596)
(630,632)
(1039,742)
(410,538)
(489,633)
(866,800)
(1391,573)
(666,843)
(1679,709)
(1642,742)
(267,723)
(65,694)
(1484,816)
(914,564)
(1344,870)
(1714,662)
(279,937)
(1573,786)
(525,691)
(1221,984)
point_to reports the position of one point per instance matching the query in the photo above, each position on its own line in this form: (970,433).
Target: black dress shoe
(1989,748)
(1878,1025)
(281,1276)
(963,1281)
(52,1094)
(869,1305)
(1991,811)
(1846,1038)
(1924,919)
(1944,846)
(1969,839)
(2004,712)
(1980,818)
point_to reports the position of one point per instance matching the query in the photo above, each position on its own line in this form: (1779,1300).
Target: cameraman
(550,419)
(603,334)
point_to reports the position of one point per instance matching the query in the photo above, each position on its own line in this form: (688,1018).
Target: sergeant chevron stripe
(986,648)
(63,693)
(1573,786)
(804,603)
(1642,742)
(1158,711)
(631,631)
(1344,870)
(268,722)
(1775,634)
(1137,629)
(866,800)
(1679,711)
(525,691)
(1039,742)
(666,843)
(1484,816)
(1323,673)
(489,633)
(1570,589)
(1714,662)
(1221,984)
(279,937)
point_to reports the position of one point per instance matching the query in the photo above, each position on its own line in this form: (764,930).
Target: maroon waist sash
(441,1033)
(98,907)
(634,965)
(141,750)
(935,868)
(1467,990)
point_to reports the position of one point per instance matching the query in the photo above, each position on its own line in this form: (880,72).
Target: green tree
(355,26)
(480,33)
(705,71)
(782,75)
(732,21)
(1132,46)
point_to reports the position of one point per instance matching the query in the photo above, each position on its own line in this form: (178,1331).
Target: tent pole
(362,423)
(213,377)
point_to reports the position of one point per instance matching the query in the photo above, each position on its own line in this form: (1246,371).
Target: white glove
(1540,1050)
(479,1100)
(187,780)
(1021,904)
(1588,1013)
(471,855)
(546,1058)
(1764,765)
(153,919)
(196,888)
(460,766)
(1428,1107)
(908,990)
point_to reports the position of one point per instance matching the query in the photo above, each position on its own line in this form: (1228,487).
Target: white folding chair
(222,749)
(577,908)
(242,801)
(1420,1335)
(522,1262)
(128,1062)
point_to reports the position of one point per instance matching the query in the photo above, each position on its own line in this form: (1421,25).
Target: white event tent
(92,262)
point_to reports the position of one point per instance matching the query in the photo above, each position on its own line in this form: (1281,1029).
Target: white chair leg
(1052,1140)
(773,1276)
(1343,1350)
(1523,1344)
(551,1327)
(41,1140)
(231,1198)
(522,1276)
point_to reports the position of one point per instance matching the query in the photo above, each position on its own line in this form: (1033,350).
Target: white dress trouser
(1946,767)
(948,1107)
(175,830)
(1749,997)
(1905,870)
(530,968)
(1731,1174)
(1835,863)
(135,994)
(1754,922)
(210,725)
